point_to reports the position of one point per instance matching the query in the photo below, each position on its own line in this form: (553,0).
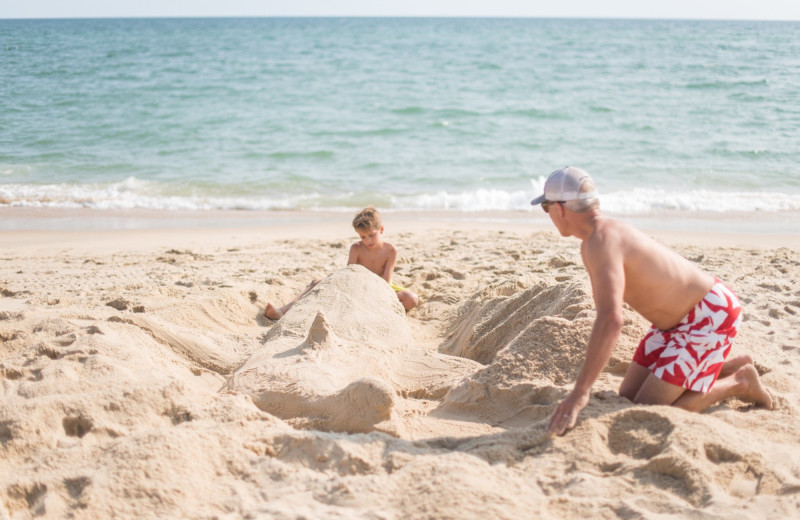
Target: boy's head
(367,220)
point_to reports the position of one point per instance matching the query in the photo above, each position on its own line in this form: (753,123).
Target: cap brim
(538,200)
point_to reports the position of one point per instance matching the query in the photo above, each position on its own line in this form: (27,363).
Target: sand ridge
(125,388)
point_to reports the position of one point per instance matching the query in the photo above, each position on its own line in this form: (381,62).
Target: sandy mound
(342,358)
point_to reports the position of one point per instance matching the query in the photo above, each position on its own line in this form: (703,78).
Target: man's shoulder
(611,230)
(605,229)
(620,239)
(607,241)
(613,224)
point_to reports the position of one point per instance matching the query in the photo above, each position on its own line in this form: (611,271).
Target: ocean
(688,122)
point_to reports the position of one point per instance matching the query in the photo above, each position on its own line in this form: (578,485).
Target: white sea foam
(134,193)
(476,200)
(646,201)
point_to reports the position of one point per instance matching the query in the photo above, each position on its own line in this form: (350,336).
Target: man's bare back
(660,284)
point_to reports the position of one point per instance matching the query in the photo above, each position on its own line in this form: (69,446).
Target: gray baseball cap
(565,184)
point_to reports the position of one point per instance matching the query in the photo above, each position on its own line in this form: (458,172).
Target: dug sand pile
(343,357)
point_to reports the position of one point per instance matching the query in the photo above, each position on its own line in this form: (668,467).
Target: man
(681,361)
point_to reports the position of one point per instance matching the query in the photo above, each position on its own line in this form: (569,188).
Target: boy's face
(371,237)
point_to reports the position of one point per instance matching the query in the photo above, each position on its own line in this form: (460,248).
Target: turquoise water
(681,118)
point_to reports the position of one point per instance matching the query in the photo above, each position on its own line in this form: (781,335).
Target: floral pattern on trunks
(692,353)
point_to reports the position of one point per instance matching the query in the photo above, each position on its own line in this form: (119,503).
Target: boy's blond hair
(367,219)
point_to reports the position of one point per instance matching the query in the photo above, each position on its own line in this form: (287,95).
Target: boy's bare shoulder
(355,252)
(389,248)
(358,246)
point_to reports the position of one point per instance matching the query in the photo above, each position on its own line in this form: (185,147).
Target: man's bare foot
(272,313)
(733,365)
(754,392)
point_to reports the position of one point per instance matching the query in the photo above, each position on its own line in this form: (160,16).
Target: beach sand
(139,379)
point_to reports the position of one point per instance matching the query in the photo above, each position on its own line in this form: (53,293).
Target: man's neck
(585,224)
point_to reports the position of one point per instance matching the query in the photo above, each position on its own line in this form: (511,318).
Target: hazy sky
(702,9)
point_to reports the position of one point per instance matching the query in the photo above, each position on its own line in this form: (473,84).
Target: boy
(375,254)
(371,252)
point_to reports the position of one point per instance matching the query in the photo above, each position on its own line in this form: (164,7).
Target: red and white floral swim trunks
(691,354)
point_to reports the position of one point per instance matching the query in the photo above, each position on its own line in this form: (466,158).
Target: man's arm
(603,259)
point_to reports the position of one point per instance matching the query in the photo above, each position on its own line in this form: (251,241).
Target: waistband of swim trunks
(717,284)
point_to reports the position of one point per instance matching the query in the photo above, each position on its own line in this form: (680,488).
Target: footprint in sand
(640,434)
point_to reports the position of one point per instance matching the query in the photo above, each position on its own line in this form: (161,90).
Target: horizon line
(409,17)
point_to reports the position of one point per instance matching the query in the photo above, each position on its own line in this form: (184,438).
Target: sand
(138,379)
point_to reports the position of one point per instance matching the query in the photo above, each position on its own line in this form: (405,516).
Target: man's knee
(634,378)
(627,392)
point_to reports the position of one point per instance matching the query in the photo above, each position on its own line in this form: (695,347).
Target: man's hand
(566,414)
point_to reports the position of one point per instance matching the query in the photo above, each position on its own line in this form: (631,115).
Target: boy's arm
(391,259)
(353,258)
